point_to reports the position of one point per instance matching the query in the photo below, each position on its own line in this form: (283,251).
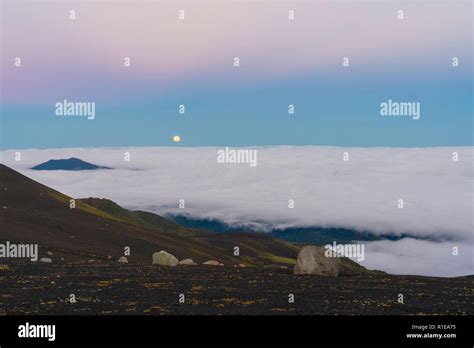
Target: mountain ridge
(296,235)
(71,163)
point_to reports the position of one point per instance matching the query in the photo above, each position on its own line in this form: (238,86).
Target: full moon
(176,138)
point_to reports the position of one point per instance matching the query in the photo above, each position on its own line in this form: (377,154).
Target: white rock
(164,258)
(123,259)
(212,263)
(311,260)
(187,262)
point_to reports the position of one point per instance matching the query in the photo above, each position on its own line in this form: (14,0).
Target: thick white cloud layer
(421,257)
(361,193)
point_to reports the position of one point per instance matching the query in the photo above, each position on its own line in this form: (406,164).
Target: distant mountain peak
(72,163)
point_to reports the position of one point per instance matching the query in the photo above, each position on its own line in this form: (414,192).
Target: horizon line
(233,146)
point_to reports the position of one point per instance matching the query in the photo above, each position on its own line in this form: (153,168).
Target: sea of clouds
(359,194)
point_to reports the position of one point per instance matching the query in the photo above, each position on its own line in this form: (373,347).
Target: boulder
(213,263)
(123,259)
(46,260)
(311,260)
(164,259)
(187,262)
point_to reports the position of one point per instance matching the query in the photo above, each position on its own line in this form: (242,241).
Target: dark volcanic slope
(33,213)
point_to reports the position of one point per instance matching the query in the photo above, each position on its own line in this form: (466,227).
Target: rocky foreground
(105,288)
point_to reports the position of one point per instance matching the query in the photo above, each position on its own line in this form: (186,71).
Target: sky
(359,194)
(190,62)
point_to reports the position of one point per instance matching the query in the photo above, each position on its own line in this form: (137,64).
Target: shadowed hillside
(142,218)
(34,213)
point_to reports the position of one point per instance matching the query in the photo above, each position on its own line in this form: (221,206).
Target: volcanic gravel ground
(112,288)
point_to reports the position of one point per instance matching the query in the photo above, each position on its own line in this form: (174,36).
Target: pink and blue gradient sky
(190,62)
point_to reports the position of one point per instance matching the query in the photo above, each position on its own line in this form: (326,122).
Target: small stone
(212,263)
(123,259)
(187,262)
